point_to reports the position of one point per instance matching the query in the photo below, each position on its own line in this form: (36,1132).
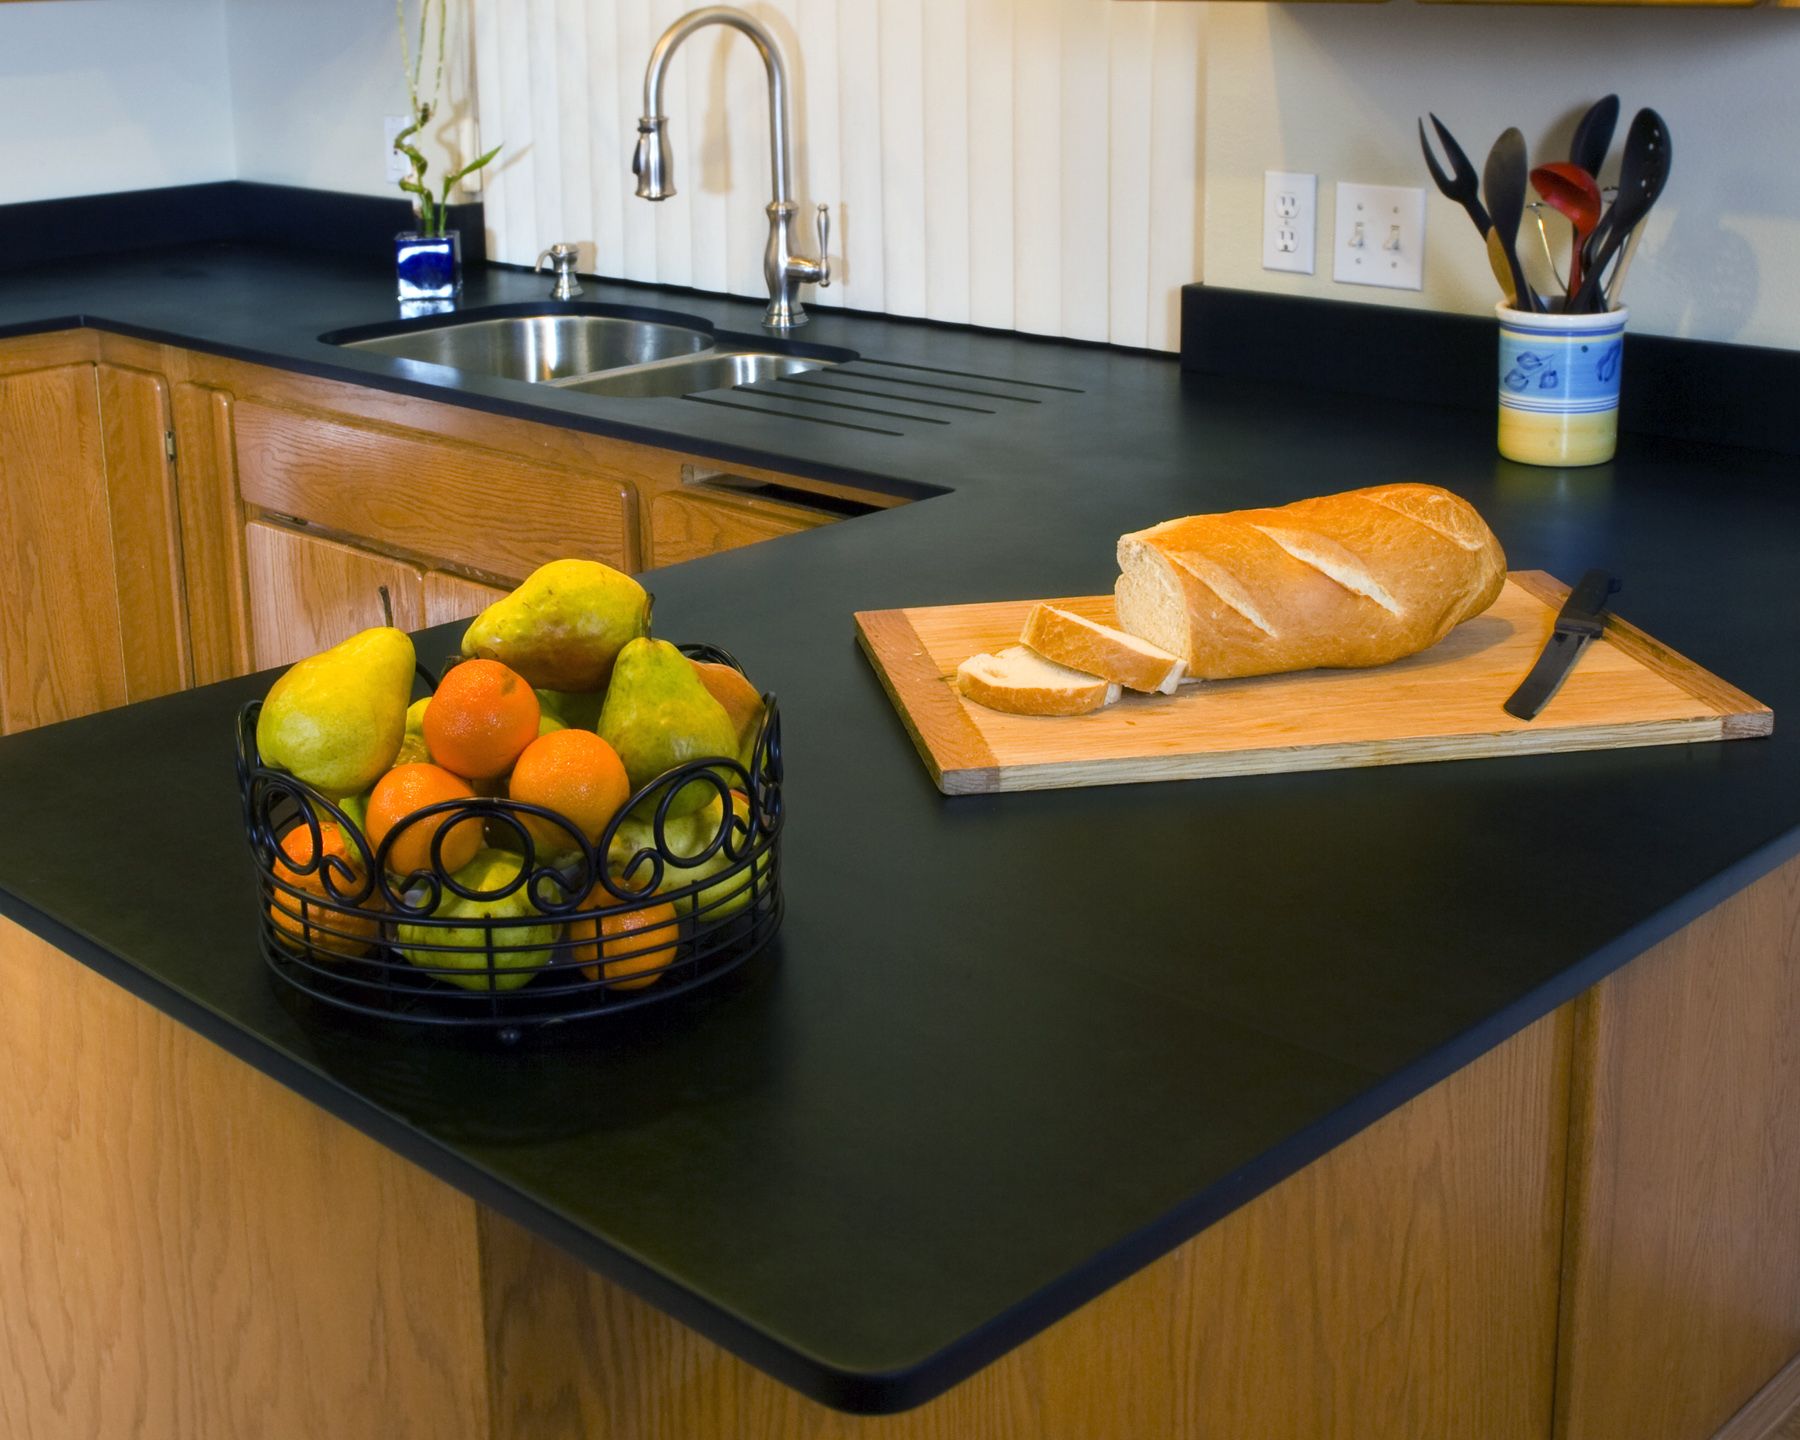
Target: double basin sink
(631,354)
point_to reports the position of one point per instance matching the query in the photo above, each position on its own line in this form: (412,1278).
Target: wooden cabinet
(1681,1274)
(308,593)
(416,494)
(232,517)
(212,532)
(685,525)
(450,597)
(91,608)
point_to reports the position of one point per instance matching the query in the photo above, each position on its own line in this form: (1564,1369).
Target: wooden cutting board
(1443,704)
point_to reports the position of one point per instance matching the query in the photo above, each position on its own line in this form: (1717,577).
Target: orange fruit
(576,774)
(324,932)
(480,719)
(409,788)
(641,940)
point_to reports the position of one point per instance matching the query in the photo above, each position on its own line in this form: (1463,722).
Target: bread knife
(1581,619)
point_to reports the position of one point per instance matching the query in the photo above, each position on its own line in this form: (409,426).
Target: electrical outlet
(398,166)
(1290,219)
(1379,236)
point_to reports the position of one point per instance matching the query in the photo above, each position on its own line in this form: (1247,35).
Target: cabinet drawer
(474,507)
(687,524)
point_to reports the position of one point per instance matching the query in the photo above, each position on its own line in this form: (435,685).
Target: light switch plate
(1290,220)
(1378,237)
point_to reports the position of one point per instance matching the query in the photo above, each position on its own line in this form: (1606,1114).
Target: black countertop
(1007,1048)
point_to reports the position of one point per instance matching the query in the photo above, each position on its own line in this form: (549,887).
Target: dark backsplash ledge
(1680,389)
(226,211)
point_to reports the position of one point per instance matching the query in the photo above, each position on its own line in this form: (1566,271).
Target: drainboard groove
(937,385)
(789,415)
(966,374)
(841,405)
(812,384)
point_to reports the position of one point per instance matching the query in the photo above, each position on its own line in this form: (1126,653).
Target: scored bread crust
(1022,682)
(1340,581)
(1087,645)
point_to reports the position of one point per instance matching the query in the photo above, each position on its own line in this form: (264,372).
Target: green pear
(356,811)
(684,836)
(413,749)
(658,715)
(527,947)
(576,711)
(336,720)
(563,628)
(733,893)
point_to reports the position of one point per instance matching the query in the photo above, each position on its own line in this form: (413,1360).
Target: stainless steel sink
(687,375)
(541,347)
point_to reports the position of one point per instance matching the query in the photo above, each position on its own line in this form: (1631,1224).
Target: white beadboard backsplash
(1026,164)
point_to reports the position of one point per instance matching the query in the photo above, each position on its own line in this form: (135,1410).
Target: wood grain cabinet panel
(1403,1287)
(450,597)
(212,533)
(139,433)
(191,1251)
(685,525)
(61,651)
(408,492)
(1681,1292)
(308,593)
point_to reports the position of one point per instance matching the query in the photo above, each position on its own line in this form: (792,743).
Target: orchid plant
(431,208)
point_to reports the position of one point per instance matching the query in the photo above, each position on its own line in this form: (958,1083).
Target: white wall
(1027,164)
(1031,164)
(104,95)
(1336,90)
(311,81)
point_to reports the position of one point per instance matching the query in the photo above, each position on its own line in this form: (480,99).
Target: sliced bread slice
(1022,682)
(1082,644)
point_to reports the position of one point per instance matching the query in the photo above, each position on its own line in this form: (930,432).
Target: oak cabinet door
(61,652)
(212,533)
(450,597)
(138,428)
(308,593)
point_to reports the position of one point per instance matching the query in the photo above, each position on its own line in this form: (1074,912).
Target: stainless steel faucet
(785,271)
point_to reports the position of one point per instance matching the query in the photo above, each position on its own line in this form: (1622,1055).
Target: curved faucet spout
(655,172)
(783,269)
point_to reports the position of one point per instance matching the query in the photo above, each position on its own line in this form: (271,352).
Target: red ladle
(1571,192)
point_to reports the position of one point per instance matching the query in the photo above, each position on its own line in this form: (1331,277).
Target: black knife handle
(1584,612)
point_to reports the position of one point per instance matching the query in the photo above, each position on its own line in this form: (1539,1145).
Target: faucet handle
(824,219)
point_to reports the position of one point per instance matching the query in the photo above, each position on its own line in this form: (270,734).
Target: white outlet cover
(398,166)
(1378,237)
(1290,220)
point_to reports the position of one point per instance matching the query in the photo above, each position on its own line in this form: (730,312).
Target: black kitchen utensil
(1593,135)
(1461,184)
(1643,172)
(1503,187)
(1581,619)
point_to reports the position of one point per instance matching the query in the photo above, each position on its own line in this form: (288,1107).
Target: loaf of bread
(1341,581)
(1082,644)
(1022,682)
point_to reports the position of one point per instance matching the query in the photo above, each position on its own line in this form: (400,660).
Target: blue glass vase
(428,267)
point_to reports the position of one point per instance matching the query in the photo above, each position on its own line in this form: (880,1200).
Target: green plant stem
(431,209)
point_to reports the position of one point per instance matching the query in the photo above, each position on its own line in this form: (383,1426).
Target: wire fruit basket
(683,887)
